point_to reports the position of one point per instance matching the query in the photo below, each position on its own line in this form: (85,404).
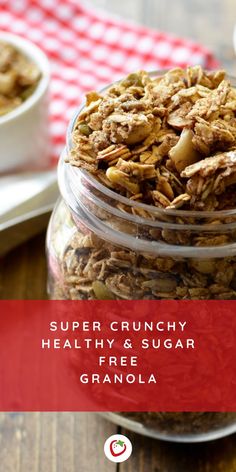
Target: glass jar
(103,246)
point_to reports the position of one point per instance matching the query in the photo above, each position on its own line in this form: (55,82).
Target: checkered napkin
(90,48)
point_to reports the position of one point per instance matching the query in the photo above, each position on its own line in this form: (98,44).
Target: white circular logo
(118,448)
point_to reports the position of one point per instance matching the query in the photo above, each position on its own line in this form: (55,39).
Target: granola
(168,142)
(169,123)
(91,269)
(18,78)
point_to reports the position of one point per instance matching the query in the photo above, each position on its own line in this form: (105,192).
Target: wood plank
(157,456)
(90,455)
(10,432)
(54,442)
(23,271)
(70,442)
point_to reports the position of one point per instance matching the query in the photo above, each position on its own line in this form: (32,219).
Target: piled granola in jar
(93,270)
(168,141)
(18,78)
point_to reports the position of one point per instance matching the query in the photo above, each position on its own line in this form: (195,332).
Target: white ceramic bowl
(24,137)
(234,39)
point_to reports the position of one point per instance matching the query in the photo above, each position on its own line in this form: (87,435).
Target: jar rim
(178,213)
(106,232)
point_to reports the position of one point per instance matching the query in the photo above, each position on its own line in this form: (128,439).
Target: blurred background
(209,22)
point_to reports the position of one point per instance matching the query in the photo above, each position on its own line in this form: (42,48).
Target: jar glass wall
(104,248)
(96,251)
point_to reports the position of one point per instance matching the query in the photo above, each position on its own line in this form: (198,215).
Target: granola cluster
(18,78)
(168,141)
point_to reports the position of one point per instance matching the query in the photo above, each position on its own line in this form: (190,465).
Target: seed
(101,291)
(85,129)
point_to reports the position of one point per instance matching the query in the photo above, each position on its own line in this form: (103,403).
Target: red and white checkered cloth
(89,49)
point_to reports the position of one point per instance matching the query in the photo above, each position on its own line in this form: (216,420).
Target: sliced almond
(113,152)
(117,177)
(178,118)
(177,121)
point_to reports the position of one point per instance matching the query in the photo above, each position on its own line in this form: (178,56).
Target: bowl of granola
(24,81)
(147,208)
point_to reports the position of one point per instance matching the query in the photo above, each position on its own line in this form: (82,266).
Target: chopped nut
(128,128)
(118,177)
(134,169)
(178,118)
(183,153)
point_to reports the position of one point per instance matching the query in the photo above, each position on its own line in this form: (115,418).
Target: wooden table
(73,442)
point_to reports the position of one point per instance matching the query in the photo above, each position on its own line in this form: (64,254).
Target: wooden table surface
(73,442)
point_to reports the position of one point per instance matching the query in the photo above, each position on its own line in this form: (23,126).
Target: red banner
(118,356)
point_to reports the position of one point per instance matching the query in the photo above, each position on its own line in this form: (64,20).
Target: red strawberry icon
(117,448)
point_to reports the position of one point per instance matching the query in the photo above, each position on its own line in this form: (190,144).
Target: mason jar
(104,246)
(101,245)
